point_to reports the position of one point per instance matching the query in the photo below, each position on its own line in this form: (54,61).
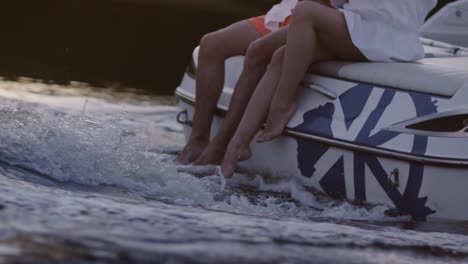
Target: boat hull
(410,187)
(364,142)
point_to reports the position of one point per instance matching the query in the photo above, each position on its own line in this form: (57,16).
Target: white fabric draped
(387,30)
(383,30)
(279,13)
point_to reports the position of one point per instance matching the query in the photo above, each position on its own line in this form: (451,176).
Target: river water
(89,176)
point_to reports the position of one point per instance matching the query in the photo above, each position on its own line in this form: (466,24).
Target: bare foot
(233,155)
(278,118)
(212,155)
(192,151)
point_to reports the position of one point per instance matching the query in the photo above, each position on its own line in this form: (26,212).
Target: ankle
(237,144)
(196,139)
(221,140)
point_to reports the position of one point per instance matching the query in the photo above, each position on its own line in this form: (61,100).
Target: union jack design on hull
(362,130)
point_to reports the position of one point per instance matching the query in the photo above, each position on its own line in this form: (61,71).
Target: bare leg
(257,58)
(313,27)
(254,116)
(215,48)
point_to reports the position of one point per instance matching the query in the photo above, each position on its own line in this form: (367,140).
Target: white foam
(99,148)
(123,149)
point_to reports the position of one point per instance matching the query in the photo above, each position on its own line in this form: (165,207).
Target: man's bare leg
(215,48)
(313,27)
(254,117)
(257,58)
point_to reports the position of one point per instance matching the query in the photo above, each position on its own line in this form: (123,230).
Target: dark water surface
(131,43)
(89,176)
(144,44)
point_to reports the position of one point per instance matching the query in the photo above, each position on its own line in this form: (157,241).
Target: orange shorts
(259,23)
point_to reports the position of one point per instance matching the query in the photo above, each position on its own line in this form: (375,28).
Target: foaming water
(95,179)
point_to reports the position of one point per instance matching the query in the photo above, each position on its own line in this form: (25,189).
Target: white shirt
(383,30)
(387,30)
(279,13)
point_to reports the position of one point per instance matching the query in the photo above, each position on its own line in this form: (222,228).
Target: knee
(277,59)
(257,54)
(305,12)
(211,47)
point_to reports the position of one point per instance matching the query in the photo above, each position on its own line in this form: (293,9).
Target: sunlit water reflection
(91,176)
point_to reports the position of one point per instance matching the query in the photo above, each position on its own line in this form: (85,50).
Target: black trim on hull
(440,162)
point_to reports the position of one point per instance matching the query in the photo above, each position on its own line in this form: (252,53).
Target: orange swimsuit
(259,23)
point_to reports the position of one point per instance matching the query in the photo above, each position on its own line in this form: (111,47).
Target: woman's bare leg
(258,56)
(316,33)
(254,116)
(215,48)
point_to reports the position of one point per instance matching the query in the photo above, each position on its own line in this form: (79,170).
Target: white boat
(449,24)
(378,133)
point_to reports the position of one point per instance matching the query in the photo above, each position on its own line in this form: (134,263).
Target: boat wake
(95,150)
(95,173)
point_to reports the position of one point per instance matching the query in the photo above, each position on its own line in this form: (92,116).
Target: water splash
(94,149)
(112,169)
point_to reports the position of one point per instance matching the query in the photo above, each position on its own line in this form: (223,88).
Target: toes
(191,152)
(228,164)
(185,159)
(267,136)
(209,157)
(228,172)
(188,158)
(261,138)
(199,162)
(276,124)
(224,171)
(202,161)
